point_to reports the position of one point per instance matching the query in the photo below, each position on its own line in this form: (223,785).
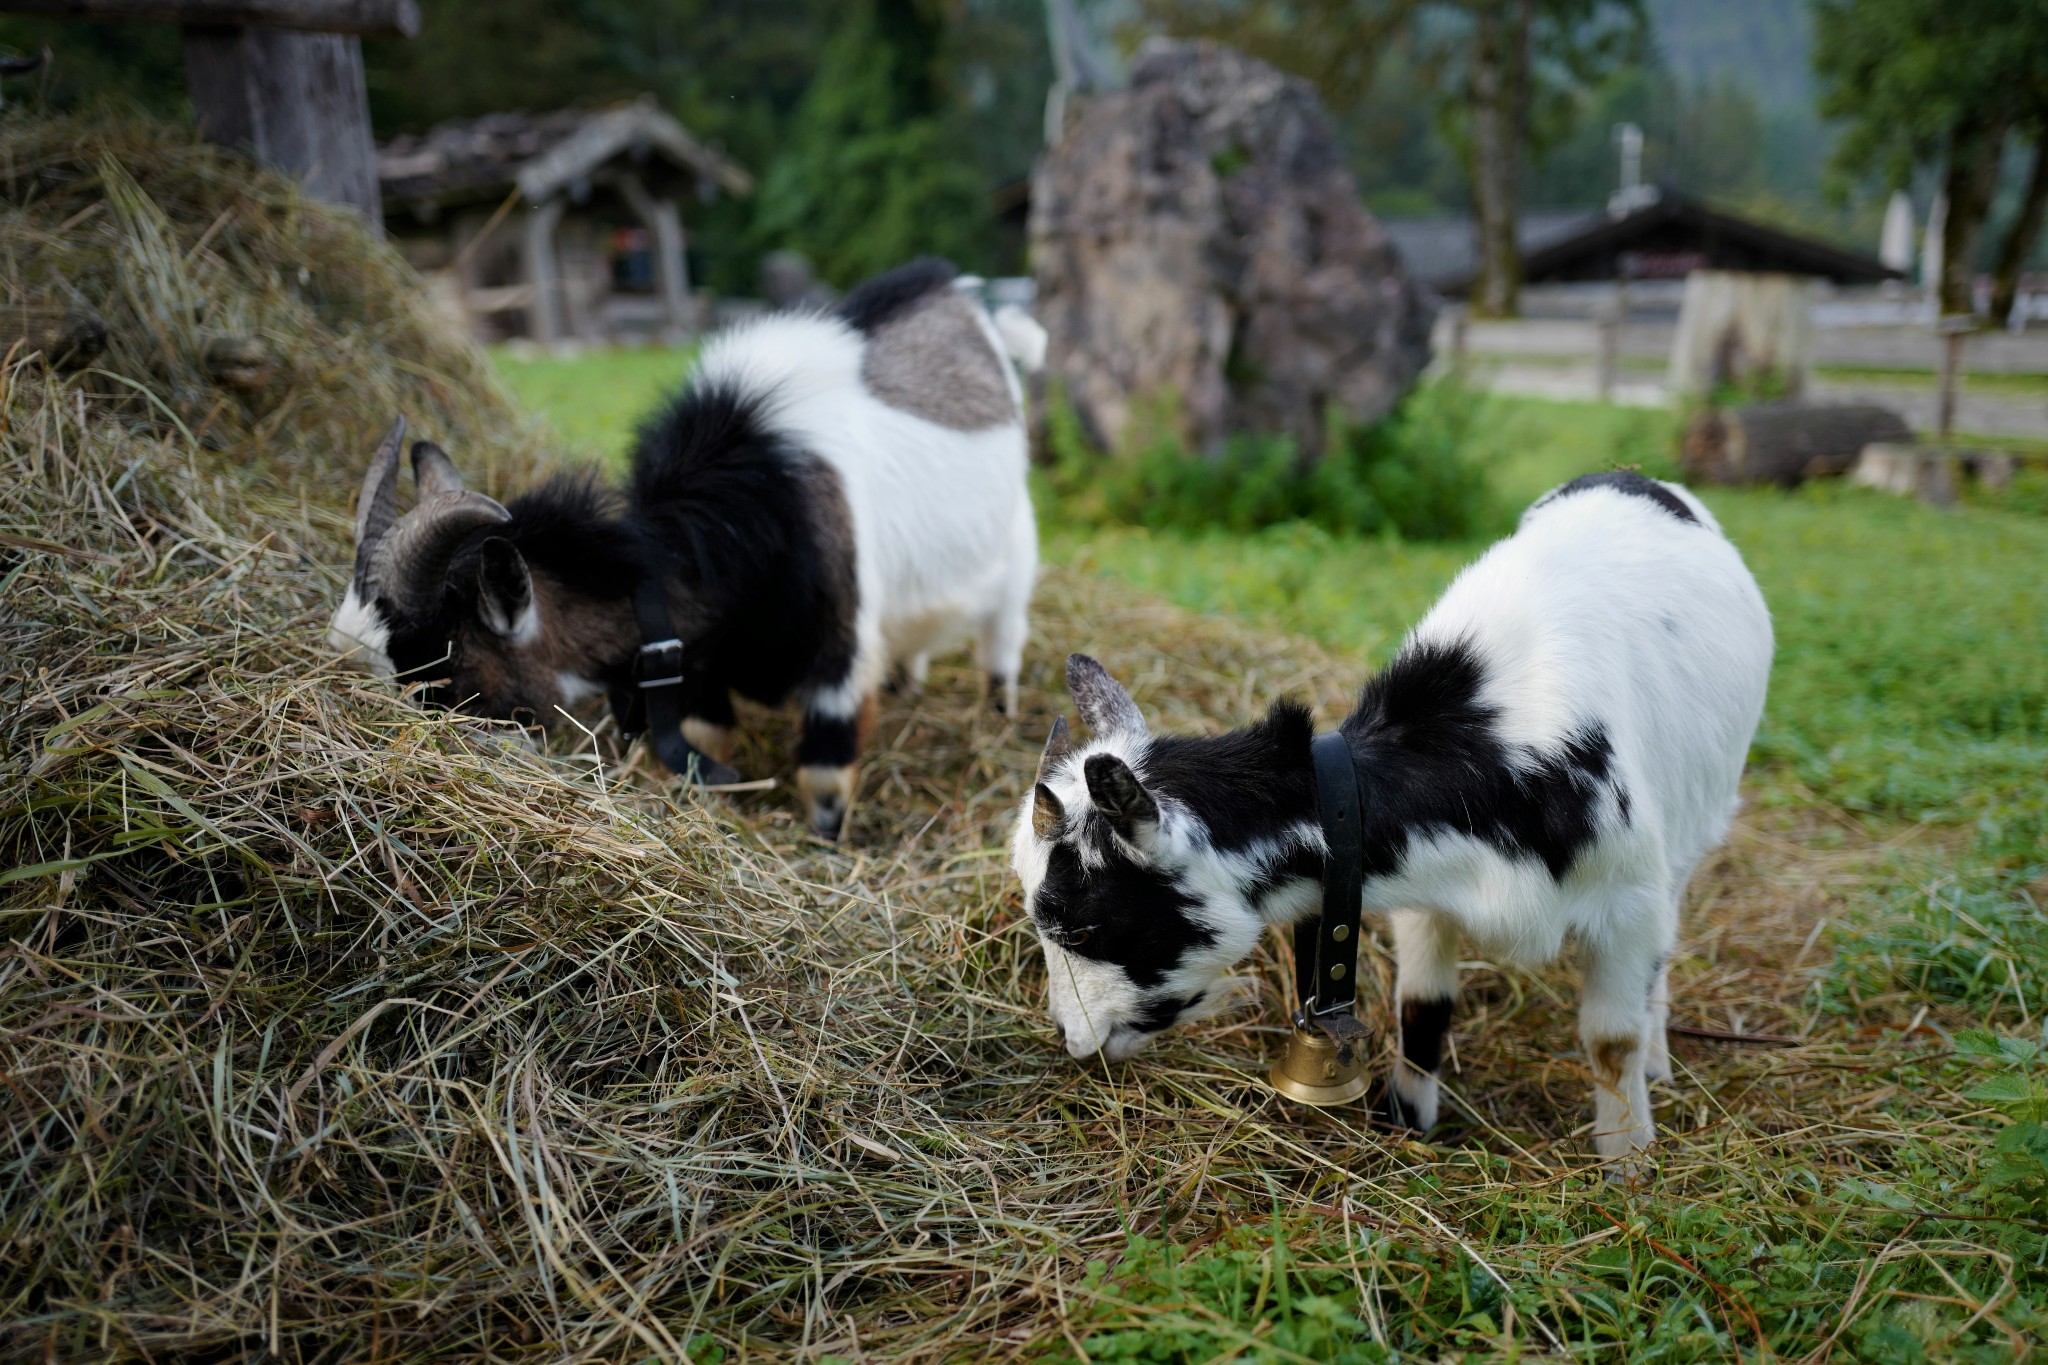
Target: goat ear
(1047,814)
(433,473)
(504,592)
(1102,700)
(1122,799)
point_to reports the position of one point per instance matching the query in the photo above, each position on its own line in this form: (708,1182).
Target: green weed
(1421,473)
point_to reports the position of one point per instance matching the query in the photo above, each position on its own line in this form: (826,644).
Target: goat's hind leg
(1624,973)
(1425,985)
(999,644)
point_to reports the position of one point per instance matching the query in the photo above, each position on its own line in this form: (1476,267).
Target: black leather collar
(1326,946)
(649,695)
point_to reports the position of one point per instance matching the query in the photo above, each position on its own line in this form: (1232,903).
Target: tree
(1942,81)
(1508,77)
(871,173)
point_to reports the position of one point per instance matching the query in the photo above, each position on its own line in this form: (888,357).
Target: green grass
(1911,684)
(2024,385)
(595,400)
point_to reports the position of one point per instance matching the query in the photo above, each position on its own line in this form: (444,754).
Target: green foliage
(869,175)
(2015,1173)
(1421,473)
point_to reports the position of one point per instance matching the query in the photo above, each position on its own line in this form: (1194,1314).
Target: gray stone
(1196,236)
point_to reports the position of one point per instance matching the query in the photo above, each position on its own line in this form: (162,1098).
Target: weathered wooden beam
(361,18)
(294,101)
(671,264)
(537,247)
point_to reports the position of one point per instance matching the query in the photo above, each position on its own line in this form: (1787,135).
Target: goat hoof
(828,816)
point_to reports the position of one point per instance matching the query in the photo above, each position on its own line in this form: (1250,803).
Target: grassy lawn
(595,400)
(1874,1191)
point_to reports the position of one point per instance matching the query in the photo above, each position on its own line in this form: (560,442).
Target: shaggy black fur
(1247,785)
(888,295)
(753,532)
(1625,481)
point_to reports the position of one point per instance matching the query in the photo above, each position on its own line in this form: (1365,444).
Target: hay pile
(334,1030)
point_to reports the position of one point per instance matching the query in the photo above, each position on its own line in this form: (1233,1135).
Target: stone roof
(539,154)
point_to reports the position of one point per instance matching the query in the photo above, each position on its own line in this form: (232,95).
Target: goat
(1550,753)
(830,494)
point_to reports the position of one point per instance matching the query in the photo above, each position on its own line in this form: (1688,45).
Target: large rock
(1196,235)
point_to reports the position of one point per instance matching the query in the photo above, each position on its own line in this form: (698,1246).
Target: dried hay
(336,1030)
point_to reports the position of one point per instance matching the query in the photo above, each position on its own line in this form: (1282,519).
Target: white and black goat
(1550,754)
(831,496)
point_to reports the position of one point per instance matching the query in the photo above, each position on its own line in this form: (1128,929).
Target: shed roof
(1444,252)
(1666,233)
(540,154)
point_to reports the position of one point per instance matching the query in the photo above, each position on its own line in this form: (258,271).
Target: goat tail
(1023,339)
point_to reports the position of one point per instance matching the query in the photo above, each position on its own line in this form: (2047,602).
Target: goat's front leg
(826,770)
(1623,975)
(708,718)
(1425,985)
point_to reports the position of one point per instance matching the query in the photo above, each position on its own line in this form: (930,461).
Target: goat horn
(1057,747)
(377,504)
(411,567)
(433,472)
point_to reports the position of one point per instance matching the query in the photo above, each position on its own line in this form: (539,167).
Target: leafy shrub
(1417,474)
(2016,1171)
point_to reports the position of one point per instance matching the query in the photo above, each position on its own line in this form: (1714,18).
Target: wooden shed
(556,226)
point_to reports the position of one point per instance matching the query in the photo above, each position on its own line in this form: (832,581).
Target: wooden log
(1910,471)
(1784,443)
(295,101)
(1738,327)
(362,18)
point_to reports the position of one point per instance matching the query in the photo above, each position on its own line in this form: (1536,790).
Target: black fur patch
(1428,758)
(828,742)
(874,302)
(743,523)
(1164,1014)
(1625,481)
(1121,913)
(1423,1026)
(1251,784)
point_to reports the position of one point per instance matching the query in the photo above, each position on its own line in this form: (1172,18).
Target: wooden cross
(280,79)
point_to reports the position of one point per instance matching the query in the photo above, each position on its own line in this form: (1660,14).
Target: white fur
(1601,609)
(945,543)
(359,635)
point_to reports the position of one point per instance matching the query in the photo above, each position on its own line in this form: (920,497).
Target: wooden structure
(555,226)
(1657,234)
(281,79)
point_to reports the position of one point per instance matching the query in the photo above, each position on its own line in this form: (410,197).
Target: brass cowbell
(1314,1070)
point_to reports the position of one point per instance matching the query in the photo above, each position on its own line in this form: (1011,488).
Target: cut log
(1738,327)
(1784,443)
(1910,471)
(362,18)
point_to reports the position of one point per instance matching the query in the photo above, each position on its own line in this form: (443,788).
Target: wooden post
(1952,329)
(671,267)
(537,244)
(294,101)
(1609,323)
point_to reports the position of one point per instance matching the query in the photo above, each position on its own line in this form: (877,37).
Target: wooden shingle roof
(472,160)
